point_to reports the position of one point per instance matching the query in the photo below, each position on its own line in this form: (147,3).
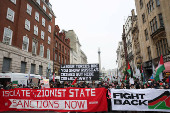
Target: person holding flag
(160,69)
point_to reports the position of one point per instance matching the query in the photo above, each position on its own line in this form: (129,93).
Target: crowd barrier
(84,99)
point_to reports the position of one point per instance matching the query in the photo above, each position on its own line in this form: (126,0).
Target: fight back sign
(141,100)
(83,72)
(54,99)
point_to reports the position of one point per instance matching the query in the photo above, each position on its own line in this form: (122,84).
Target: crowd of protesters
(124,85)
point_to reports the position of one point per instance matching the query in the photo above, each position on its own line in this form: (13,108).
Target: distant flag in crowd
(151,78)
(125,78)
(168,80)
(54,77)
(153,71)
(160,69)
(74,81)
(128,69)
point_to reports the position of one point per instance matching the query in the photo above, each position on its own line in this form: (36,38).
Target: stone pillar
(99,60)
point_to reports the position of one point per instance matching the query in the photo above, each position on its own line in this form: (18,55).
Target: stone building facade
(26,36)
(128,35)
(77,56)
(154,31)
(135,40)
(62,49)
(120,59)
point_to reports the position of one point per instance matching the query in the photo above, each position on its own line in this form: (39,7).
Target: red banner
(54,99)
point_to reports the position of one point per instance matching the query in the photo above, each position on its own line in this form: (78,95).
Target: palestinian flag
(160,102)
(128,69)
(125,78)
(160,69)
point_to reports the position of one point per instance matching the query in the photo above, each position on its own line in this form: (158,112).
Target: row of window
(62,48)
(6,66)
(59,59)
(154,25)
(150,5)
(7,38)
(162,48)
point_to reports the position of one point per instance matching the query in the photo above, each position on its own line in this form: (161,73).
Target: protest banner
(140,100)
(54,99)
(45,82)
(22,81)
(14,84)
(35,81)
(83,72)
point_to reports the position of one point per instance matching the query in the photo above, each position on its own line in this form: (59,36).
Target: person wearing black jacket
(108,98)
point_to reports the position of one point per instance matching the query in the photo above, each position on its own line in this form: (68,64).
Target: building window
(25,43)
(10,14)
(65,51)
(162,47)
(23,67)
(13,1)
(157,3)
(48,54)
(59,58)
(141,4)
(150,4)
(68,52)
(44,7)
(34,47)
(29,9)
(65,61)
(32,69)
(38,1)
(50,15)
(143,18)
(55,56)
(43,22)
(149,53)
(41,50)
(27,24)
(49,28)
(49,40)
(161,20)
(56,44)
(62,60)
(37,16)
(50,6)
(59,46)
(6,64)
(40,70)
(153,4)
(35,30)
(148,8)
(7,37)
(42,35)
(146,34)
(154,25)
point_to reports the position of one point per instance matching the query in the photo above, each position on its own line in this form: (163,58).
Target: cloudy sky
(97,23)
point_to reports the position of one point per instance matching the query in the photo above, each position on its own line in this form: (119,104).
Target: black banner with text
(83,72)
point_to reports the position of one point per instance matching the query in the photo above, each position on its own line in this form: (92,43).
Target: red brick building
(62,49)
(26,36)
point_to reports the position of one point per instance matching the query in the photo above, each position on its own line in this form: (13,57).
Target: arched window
(162,47)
